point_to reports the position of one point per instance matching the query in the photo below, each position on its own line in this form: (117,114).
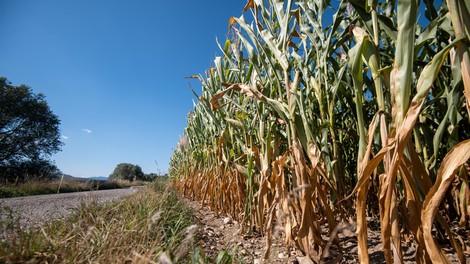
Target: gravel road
(39,209)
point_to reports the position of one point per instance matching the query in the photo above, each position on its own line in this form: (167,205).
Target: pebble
(348,232)
(281,255)
(227,220)
(304,260)
(256,261)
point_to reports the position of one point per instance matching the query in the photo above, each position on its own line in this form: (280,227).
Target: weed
(147,226)
(61,186)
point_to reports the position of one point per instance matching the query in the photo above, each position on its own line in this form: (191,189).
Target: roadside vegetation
(152,225)
(36,187)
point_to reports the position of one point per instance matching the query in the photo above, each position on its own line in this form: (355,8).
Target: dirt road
(39,209)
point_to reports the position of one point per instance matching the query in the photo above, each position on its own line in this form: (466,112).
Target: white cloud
(86,130)
(64,137)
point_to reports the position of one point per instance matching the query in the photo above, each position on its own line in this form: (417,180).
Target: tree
(152,176)
(32,169)
(127,171)
(29,130)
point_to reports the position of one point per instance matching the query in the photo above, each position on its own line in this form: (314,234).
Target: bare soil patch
(218,233)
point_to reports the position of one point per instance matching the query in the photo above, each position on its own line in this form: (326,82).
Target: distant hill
(70,177)
(96,178)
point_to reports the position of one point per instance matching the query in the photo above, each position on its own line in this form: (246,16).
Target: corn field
(319,112)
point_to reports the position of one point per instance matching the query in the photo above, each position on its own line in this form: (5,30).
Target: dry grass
(8,190)
(142,228)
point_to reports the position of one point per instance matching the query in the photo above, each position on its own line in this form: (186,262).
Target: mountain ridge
(96,178)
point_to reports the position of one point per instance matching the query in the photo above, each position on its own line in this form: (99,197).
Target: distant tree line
(131,172)
(29,134)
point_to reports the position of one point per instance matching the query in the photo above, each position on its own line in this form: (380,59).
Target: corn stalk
(301,117)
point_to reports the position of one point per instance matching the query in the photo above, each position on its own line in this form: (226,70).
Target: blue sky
(113,71)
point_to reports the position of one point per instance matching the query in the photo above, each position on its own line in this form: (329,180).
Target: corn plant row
(317,114)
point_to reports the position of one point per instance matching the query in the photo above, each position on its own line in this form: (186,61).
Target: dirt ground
(218,233)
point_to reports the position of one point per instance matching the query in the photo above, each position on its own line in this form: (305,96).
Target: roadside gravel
(37,210)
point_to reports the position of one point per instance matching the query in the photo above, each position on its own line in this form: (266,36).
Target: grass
(9,190)
(149,226)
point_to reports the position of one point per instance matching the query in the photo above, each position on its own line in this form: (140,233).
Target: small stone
(227,220)
(256,261)
(257,253)
(212,247)
(281,255)
(222,227)
(304,260)
(243,252)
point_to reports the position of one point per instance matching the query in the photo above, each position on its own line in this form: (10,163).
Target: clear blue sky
(113,71)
